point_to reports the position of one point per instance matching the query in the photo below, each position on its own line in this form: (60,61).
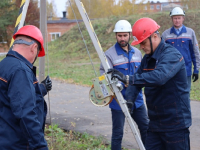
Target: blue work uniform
(163,75)
(127,63)
(22,106)
(186,43)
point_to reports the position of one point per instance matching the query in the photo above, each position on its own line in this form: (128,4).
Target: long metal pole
(21,17)
(106,66)
(43,26)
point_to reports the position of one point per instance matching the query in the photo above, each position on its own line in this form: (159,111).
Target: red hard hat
(33,32)
(142,29)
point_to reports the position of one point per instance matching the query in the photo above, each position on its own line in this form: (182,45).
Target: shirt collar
(181,30)
(121,51)
(20,57)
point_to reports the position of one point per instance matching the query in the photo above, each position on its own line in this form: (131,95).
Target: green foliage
(9,10)
(8,13)
(69,140)
(69,59)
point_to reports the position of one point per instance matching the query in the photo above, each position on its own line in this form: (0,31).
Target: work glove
(47,83)
(117,74)
(195,77)
(130,104)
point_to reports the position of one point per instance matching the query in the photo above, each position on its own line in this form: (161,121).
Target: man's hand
(47,83)
(130,104)
(117,74)
(195,77)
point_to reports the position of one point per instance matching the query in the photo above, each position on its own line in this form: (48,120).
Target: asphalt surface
(3,53)
(71,109)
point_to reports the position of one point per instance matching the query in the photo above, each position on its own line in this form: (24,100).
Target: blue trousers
(189,84)
(139,115)
(174,140)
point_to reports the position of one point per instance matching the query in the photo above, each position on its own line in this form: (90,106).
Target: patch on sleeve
(121,60)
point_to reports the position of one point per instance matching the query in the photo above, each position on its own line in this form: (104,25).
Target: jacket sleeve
(194,51)
(109,62)
(132,91)
(22,97)
(167,67)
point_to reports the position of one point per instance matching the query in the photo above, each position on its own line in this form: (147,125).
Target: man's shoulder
(136,49)
(189,30)
(171,51)
(110,51)
(12,64)
(167,31)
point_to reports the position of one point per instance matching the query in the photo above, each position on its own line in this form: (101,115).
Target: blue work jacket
(164,77)
(22,106)
(127,63)
(186,43)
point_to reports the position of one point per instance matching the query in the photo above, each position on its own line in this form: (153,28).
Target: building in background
(158,6)
(57,28)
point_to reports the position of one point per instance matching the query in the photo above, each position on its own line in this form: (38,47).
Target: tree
(191,4)
(8,13)
(51,10)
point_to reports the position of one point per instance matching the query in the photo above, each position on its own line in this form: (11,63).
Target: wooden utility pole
(43,28)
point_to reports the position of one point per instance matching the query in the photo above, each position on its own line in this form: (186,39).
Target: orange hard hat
(33,32)
(142,29)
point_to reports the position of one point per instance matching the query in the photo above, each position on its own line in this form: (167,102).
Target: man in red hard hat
(127,59)
(162,72)
(22,106)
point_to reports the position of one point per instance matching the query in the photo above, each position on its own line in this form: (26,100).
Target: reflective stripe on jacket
(22,106)
(167,97)
(127,63)
(187,45)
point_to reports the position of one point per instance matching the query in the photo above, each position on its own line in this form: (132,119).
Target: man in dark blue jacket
(163,74)
(126,59)
(22,106)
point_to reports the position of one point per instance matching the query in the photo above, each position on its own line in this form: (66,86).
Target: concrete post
(43,28)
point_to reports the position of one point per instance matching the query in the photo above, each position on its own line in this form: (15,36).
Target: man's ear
(32,48)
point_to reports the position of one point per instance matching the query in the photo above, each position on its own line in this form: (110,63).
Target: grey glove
(47,83)
(117,74)
(195,77)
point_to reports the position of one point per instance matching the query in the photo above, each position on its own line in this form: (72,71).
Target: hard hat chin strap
(151,45)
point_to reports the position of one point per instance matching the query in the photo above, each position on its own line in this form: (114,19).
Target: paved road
(72,110)
(3,53)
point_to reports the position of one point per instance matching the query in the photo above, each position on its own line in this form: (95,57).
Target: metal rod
(106,66)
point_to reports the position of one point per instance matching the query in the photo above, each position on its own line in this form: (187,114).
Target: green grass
(68,57)
(70,140)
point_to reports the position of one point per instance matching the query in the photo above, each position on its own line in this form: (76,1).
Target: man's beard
(124,44)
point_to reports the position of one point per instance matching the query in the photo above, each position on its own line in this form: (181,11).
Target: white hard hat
(177,11)
(122,26)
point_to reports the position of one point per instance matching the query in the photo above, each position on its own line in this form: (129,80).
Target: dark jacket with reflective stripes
(167,97)
(22,106)
(127,63)
(187,45)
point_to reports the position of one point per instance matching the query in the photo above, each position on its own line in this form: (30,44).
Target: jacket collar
(121,51)
(183,30)
(20,57)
